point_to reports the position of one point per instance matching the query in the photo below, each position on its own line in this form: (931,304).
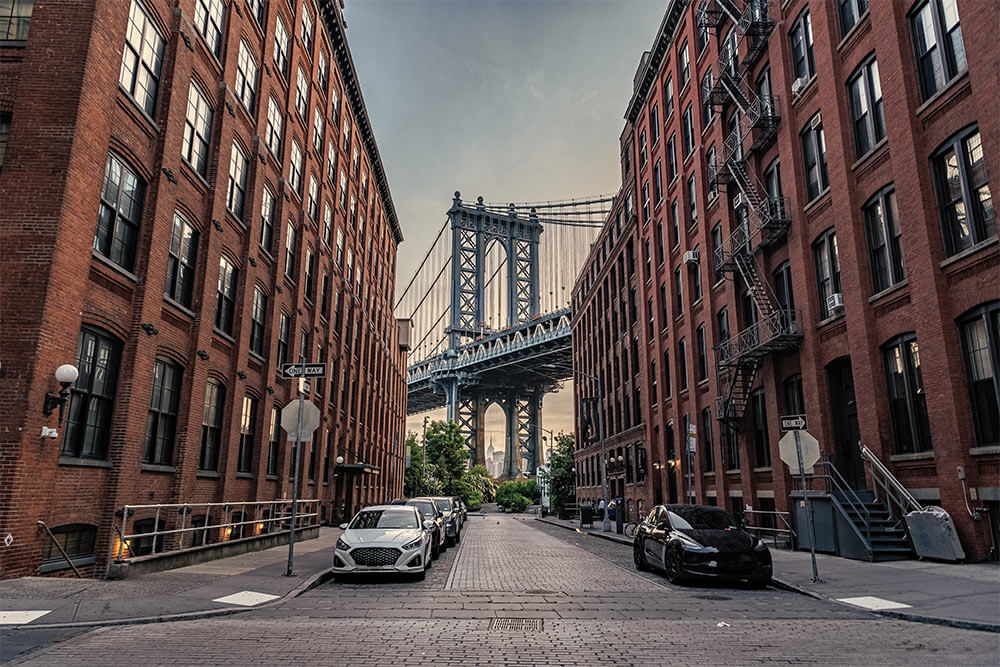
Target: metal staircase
(765,219)
(886,535)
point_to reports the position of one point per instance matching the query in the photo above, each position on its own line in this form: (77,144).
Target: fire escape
(763,219)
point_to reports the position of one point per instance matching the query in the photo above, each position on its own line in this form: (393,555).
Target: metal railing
(838,488)
(756,337)
(896,495)
(200,524)
(786,533)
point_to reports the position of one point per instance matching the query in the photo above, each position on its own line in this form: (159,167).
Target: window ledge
(61,564)
(985,450)
(117,268)
(13,43)
(708,473)
(969,251)
(878,150)
(207,474)
(829,320)
(951,87)
(816,201)
(199,179)
(83,463)
(763,469)
(888,290)
(271,478)
(141,111)
(258,357)
(916,456)
(244,475)
(158,467)
(222,334)
(855,33)
(177,306)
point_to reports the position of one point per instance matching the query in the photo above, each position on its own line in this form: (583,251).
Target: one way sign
(793,423)
(303,370)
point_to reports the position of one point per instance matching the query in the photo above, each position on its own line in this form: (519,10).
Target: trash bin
(586,515)
(933,534)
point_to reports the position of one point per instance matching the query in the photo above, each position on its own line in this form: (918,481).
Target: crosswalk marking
(21,617)
(246,598)
(874,603)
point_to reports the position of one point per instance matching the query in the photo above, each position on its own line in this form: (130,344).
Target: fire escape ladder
(761,293)
(731,407)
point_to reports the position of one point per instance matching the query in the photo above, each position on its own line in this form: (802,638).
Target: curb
(313,581)
(611,537)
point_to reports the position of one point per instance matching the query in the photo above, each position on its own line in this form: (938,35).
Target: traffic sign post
(800,451)
(298,419)
(303,370)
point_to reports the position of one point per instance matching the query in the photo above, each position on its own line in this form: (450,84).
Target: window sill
(951,87)
(244,475)
(829,320)
(61,564)
(718,283)
(198,179)
(83,463)
(13,43)
(968,252)
(763,469)
(915,456)
(226,337)
(118,269)
(257,357)
(861,26)
(888,290)
(816,201)
(174,305)
(207,474)
(158,467)
(985,450)
(878,150)
(137,108)
(708,473)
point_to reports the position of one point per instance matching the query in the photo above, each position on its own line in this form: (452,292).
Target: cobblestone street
(574,600)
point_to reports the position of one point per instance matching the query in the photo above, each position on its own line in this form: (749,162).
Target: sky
(514,100)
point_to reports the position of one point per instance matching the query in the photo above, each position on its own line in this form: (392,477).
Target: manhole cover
(516,624)
(711,597)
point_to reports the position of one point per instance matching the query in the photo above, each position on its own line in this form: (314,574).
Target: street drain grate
(516,624)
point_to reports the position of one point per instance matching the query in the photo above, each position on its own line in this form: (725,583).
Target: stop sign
(810,451)
(290,419)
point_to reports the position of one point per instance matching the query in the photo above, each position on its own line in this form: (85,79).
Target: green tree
(419,478)
(446,450)
(562,473)
(482,482)
(509,495)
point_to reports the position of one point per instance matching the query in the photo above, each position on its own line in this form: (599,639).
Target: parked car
(384,538)
(688,541)
(460,508)
(452,527)
(430,512)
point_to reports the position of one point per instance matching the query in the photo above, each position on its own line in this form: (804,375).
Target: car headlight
(342,545)
(694,547)
(413,545)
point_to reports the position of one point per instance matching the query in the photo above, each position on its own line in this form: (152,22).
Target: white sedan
(384,538)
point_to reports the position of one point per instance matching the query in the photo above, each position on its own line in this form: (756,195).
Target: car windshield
(426,508)
(444,505)
(700,518)
(368,519)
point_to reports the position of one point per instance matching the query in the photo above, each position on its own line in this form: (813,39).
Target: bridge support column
(451,398)
(471,422)
(523,411)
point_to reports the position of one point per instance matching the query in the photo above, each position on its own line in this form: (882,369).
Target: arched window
(907,401)
(92,401)
(980,332)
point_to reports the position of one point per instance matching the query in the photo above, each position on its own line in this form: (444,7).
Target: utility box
(933,534)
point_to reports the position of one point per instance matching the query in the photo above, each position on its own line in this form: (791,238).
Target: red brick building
(814,234)
(191,196)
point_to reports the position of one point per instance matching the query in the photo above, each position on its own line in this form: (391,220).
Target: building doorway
(846,433)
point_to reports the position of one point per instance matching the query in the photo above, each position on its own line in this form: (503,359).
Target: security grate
(516,624)
(375,556)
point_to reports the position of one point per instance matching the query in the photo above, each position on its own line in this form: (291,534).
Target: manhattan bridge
(490,307)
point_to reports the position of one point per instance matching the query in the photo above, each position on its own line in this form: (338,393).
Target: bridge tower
(474,228)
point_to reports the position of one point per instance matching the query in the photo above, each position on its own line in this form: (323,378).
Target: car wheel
(436,548)
(675,573)
(638,556)
(458,537)
(449,541)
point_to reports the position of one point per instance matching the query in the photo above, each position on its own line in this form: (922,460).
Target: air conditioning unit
(738,200)
(692,256)
(798,85)
(835,302)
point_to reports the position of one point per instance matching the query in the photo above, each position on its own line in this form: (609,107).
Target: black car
(699,541)
(431,513)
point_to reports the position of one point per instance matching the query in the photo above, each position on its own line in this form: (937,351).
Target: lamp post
(606,524)
(65,375)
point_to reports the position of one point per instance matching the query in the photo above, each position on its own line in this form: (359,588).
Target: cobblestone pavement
(589,606)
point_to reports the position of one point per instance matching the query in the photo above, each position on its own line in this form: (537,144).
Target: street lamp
(65,376)
(606,524)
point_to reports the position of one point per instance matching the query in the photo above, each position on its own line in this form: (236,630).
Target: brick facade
(839,357)
(68,112)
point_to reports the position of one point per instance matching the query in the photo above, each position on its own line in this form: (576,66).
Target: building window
(980,331)
(77,541)
(267,221)
(801,36)
(702,354)
(668,97)
(657,182)
(340,247)
(692,201)
(236,190)
(783,287)
(248,422)
(181,261)
(15,19)
(722,325)
(327,224)
(882,227)
(710,162)
(310,266)
(866,107)
(295,168)
(695,273)
(642,147)
(161,422)
(323,71)
(92,398)
(343,189)
(827,270)
(707,448)
(318,131)
(257,9)
(302,94)
(675,224)
(118,217)
(258,319)
(682,363)
(272,132)
(197,130)
(666,374)
(671,158)
(211,425)
(313,205)
(209,16)
(225,298)
(719,274)
(814,154)
(851,12)
(794,401)
(937,43)
(678,293)
(645,203)
(246,77)
(290,252)
(274,443)
(684,66)
(907,400)
(142,58)
(654,125)
(281,47)
(761,443)
(967,212)
(688,135)
(307,29)
(5,119)
(283,330)
(772,182)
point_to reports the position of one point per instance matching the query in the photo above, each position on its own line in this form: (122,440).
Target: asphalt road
(519,592)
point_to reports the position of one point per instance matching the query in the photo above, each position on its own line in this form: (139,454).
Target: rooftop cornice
(664,38)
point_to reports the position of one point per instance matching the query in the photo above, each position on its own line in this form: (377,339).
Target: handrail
(847,493)
(61,550)
(895,492)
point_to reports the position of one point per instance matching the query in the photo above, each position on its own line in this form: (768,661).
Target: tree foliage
(562,473)
(445,471)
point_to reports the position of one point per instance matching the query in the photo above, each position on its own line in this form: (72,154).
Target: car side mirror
(429,525)
(343,526)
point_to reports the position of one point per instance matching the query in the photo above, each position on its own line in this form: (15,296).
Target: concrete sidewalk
(965,596)
(218,587)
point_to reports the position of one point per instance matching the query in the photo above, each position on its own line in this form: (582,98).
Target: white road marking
(246,598)
(874,603)
(21,617)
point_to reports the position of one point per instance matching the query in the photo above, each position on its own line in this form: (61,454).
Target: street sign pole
(809,512)
(295,475)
